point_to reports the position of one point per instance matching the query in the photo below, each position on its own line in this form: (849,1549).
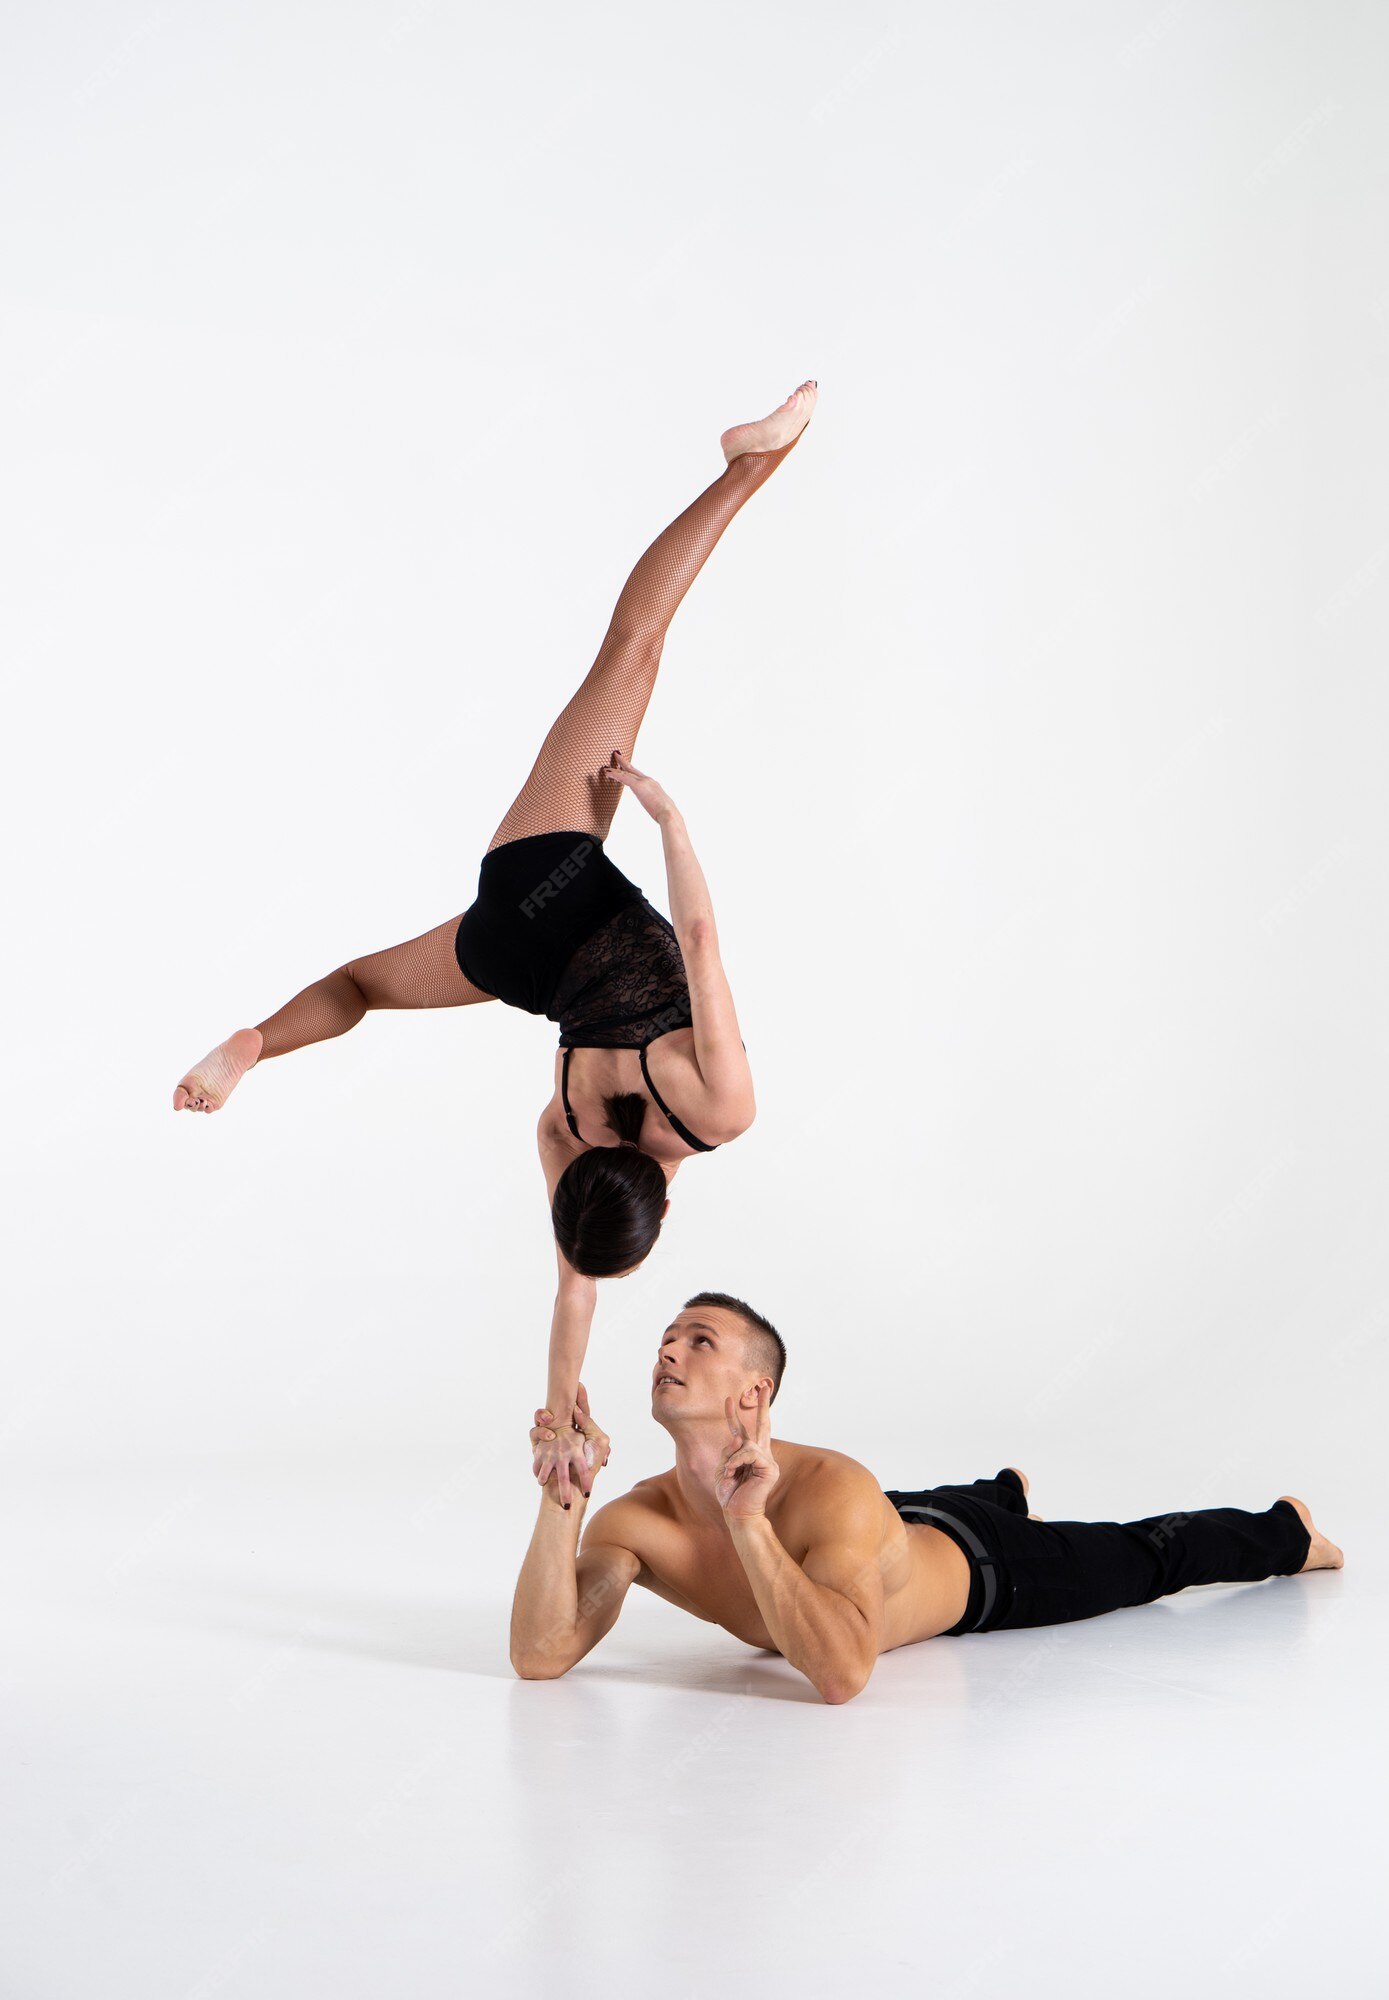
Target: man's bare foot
(1322,1554)
(772,432)
(1026,1482)
(211,1082)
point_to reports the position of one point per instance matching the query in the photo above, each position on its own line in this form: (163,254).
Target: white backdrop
(1029,726)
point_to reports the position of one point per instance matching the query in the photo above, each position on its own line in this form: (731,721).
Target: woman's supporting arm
(576,1298)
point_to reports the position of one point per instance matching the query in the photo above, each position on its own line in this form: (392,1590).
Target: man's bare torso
(692,1562)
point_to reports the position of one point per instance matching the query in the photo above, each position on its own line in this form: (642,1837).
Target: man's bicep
(844,1551)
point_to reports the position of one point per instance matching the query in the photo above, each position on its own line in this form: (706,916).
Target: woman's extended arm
(570,1325)
(721,1059)
(563,1452)
(719,1051)
(576,1297)
(691,906)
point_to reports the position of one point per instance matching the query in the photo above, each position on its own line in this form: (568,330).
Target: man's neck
(697,1457)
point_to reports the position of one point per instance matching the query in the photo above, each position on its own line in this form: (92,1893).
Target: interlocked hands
(576,1450)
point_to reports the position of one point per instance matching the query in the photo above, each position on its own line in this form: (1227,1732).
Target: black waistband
(983,1566)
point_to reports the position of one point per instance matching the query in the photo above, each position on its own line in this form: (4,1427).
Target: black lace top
(625,985)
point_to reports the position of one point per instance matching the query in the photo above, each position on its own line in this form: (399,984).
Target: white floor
(266,1742)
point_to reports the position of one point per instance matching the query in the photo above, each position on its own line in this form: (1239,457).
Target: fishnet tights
(422,973)
(564,791)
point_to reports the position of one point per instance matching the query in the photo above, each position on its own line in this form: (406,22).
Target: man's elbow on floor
(539,1666)
(839,1688)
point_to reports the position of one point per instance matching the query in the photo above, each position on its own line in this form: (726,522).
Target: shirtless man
(798,1550)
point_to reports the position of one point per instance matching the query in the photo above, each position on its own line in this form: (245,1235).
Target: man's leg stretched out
(1064,1570)
(1053,1572)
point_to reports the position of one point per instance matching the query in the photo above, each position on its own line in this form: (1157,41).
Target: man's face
(700,1360)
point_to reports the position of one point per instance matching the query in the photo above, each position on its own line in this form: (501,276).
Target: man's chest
(702,1575)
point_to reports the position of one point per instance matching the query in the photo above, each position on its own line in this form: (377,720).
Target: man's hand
(747,1471)
(618,771)
(576,1450)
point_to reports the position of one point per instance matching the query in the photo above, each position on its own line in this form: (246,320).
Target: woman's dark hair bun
(607,1209)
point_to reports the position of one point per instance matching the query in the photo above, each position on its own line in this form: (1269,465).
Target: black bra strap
(564,1090)
(681,1131)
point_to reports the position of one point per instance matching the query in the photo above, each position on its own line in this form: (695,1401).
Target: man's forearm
(545,1610)
(690,903)
(820,1632)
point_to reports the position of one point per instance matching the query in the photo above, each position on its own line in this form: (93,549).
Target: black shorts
(1025,1572)
(538,899)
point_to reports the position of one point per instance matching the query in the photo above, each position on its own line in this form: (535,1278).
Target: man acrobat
(796,1549)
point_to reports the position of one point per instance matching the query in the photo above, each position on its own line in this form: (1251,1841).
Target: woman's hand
(559,1452)
(656,800)
(577,1450)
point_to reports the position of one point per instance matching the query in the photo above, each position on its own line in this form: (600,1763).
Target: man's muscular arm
(564,1605)
(566,1602)
(826,1614)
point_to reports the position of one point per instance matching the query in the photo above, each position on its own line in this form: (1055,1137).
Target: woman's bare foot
(772,432)
(211,1082)
(1322,1554)
(1026,1482)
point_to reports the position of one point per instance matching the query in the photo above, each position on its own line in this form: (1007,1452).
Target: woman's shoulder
(714,1116)
(556,1146)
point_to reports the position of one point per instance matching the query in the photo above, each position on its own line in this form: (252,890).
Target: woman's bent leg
(564,791)
(423,972)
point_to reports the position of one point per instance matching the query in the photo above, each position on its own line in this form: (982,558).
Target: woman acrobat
(650,1067)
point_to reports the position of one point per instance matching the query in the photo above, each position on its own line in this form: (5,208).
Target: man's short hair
(763,1347)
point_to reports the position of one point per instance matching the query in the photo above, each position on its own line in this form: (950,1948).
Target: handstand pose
(559,930)
(799,1551)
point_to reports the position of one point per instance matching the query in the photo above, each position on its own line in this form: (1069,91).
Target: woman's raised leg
(565,791)
(423,972)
